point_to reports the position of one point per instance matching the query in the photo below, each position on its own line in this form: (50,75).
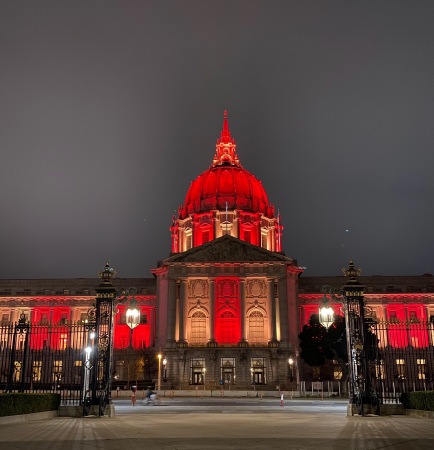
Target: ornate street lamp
(326,313)
(101,324)
(362,393)
(159,371)
(291,366)
(132,316)
(165,370)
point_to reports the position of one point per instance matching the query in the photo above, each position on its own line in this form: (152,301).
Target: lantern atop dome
(226,149)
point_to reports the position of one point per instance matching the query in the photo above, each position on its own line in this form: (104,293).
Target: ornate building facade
(226,307)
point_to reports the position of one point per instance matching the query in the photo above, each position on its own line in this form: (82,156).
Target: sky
(109,109)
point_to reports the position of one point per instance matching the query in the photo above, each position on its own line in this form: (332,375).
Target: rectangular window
(379,370)
(5,319)
(64,319)
(257,371)
(17,370)
(37,370)
(247,236)
(421,369)
(413,317)
(143,319)
(84,317)
(227,371)
(119,370)
(400,369)
(63,341)
(337,371)
(57,371)
(197,371)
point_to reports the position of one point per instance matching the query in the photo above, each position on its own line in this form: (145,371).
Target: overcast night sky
(109,109)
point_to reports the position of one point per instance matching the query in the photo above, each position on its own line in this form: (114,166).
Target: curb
(28,417)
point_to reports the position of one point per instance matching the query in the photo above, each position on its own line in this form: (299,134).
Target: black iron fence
(45,358)
(404,359)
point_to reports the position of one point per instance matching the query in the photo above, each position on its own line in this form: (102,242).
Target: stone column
(182,309)
(171,314)
(277,321)
(272,312)
(243,310)
(211,312)
(152,325)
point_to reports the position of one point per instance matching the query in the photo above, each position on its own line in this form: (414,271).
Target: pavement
(222,423)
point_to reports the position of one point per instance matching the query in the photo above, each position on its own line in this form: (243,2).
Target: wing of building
(225,308)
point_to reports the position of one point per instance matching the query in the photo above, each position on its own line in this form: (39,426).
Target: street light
(165,370)
(326,313)
(291,365)
(132,316)
(159,371)
(101,323)
(362,390)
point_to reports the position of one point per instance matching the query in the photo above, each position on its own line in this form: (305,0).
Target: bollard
(281,400)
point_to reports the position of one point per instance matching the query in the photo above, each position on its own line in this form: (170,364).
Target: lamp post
(101,322)
(362,393)
(291,366)
(165,370)
(159,371)
(297,371)
(132,316)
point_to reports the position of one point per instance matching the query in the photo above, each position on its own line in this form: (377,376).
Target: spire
(225,134)
(226,148)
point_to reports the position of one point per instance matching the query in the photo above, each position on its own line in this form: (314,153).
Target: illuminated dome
(226,184)
(226,199)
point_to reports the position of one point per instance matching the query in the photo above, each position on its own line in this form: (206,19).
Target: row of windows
(37,371)
(227,371)
(64,319)
(399,371)
(227,327)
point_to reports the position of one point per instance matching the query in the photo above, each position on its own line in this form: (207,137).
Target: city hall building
(225,308)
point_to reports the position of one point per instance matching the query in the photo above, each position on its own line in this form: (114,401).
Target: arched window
(256,327)
(198,328)
(227,330)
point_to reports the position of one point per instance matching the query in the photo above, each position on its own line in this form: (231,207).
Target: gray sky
(109,109)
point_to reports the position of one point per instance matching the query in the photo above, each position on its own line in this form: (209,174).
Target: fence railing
(43,358)
(405,357)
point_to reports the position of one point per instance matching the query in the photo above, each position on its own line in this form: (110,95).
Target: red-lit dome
(226,199)
(226,184)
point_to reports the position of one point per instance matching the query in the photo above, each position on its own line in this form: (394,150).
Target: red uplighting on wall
(227,311)
(404,321)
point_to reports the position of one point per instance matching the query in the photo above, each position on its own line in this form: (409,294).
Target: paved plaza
(226,423)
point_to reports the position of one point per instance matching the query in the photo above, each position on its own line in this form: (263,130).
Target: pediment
(229,249)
